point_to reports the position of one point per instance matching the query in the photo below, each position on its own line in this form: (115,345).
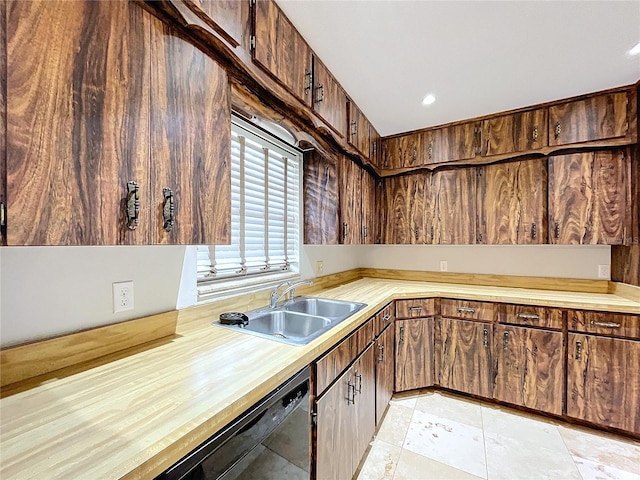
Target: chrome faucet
(275,298)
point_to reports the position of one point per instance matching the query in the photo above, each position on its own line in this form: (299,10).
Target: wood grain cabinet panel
(396,207)
(515,133)
(365,378)
(281,51)
(467,309)
(418,307)
(603,323)
(589,198)
(350,198)
(414,353)
(320,198)
(358,131)
(77,131)
(529,368)
(3,117)
(512,203)
(598,117)
(329,98)
(450,144)
(451,207)
(368,208)
(190,142)
(385,370)
(601,387)
(229,18)
(530,315)
(463,356)
(375,149)
(403,151)
(383,318)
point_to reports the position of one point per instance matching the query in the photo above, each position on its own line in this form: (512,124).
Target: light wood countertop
(135,416)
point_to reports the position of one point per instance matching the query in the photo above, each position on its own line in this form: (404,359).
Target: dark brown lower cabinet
(385,363)
(345,420)
(463,356)
(603,385)
(414,353)
(529,368)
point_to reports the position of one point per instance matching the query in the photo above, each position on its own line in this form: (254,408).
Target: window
(265,221)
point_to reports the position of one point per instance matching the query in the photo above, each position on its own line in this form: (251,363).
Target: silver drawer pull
(605,324)
(418,308)
(529,316)
(386,318)
(466,310)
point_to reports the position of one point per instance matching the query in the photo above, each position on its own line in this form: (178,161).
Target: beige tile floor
(442,436)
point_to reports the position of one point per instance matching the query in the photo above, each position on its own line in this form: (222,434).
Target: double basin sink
(298,321)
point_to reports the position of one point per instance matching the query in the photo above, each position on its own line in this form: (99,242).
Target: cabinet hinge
(252,42)
(252,3)
(314,418)
(3,214)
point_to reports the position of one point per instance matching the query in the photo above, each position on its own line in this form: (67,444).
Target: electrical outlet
(122,296)
(319,267)
(443,266)
(604,271)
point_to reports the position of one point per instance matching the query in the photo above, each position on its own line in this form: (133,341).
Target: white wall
(48,291)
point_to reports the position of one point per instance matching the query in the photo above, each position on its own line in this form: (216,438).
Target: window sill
(238,286)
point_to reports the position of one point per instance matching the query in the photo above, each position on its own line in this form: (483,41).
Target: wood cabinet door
(385,366)
(414,353)
(403,151)
(511,202)
(514,133)
(599,117)
(395,229)
(191,143)
(368,218)
(463,356)
(329,98)
(364,373)
(417,185)
(588,198)
(375,149)
(529,368)
(451,207)
(450,144)
(336,430)
(603,384)
(282,51)
(350,198)
(358,130)
(77,130)
(320,198)
(3,124)
(229,18)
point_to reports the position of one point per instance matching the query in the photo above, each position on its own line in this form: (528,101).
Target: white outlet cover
(122,296)
(444,266)
(604,271)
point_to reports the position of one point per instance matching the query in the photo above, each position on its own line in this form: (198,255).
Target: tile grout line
(573,457)
(484,444)
(404,439)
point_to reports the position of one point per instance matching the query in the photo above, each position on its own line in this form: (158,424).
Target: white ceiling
(477,57)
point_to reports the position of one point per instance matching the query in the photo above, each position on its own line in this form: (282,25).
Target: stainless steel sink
(299,320)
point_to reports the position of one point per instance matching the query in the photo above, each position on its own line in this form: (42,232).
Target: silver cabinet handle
(345,230)
(505,341)
(351,393)
(380,353)
(466,310)
(358,389)
(401,334)
(485,338)
(578,350)
(417,308)
(386,318)
(605,324)
(529,316)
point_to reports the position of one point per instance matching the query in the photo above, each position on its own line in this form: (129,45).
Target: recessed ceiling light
(635,50)
(429,99)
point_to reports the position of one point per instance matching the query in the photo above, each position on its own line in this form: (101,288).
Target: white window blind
(265,191)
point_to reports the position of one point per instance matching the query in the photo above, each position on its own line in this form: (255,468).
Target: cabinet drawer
(383,318)
(419,307)
(467,310)
(530,315)
(329,367)
(616,324)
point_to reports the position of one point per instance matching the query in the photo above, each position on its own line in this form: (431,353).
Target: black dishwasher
(221,455)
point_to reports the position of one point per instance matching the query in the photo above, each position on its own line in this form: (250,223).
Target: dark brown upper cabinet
(515,133)
(329,98)
(350,201)
(450,144)
(229,18)
(358,130)
(395,205)
(403,151)
(375,148)
(77,122)
(598,117)
(320,198)
(511,203)
(282,51)
(368,203)
(451,207)
(589,198)
(3,117)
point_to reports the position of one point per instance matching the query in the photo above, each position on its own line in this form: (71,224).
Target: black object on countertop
(234,318)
